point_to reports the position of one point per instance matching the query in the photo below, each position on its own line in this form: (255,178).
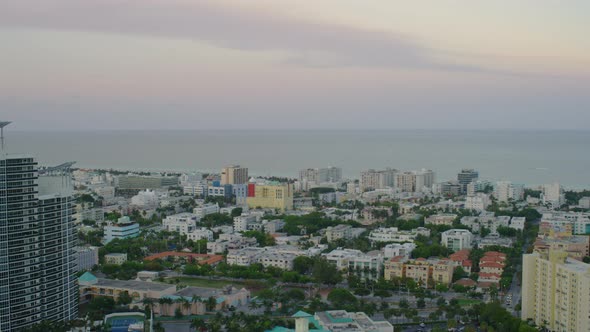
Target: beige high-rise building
(556,291)
(372,179)
(234,175)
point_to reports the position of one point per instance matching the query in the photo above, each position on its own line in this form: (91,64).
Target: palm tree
(186,305)
(198,324)
(211,303)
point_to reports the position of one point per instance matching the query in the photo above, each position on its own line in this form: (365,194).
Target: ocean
(527,157)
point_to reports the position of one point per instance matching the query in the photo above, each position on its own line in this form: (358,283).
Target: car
(422,325)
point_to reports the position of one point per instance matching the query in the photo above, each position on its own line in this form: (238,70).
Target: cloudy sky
(335,64)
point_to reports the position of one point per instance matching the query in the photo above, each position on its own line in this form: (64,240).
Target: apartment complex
(457,239)
(272,195)
(505,191)
(320,175)
(465,177)
(393,234)
(124,228)
(234,174)
(372,179)
(556,291)
(441,219)
(426,273)
(414,181)
(145,182)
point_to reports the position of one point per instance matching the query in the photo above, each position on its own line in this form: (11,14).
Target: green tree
(124,298)
(341,297)
(326,273)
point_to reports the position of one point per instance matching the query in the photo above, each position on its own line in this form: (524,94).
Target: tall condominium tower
(465,177)
(37,237)
(234,175)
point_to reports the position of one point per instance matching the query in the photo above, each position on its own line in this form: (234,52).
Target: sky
(294,64)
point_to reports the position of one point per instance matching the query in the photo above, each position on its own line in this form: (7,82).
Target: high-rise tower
(37,237)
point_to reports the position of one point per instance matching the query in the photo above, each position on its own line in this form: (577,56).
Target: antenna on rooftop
(2,125)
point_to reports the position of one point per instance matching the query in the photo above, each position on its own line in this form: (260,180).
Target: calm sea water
(529,157)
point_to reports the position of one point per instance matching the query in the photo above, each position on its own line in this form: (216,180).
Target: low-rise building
(393,234)
(228,241)
(426,273)
(576,247)
(206,209)
(124,228)
(366,266)
(181,222)
(494,239)
(340,257)
(457,239)
(273,226)
(341,320)
(396,249)
(461,258)
(341,231)
(115,258)
(86,257)
(200,234)
(91,287)
(268,256)
(478,202)
(441,219)
(192,300)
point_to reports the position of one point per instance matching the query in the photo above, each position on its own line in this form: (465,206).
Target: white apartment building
(181,222)
(86,257)
(195,189)
(415,181)
(339,232)
(477,202)
(320,175)
(200,234)
(206,209)
(457,239)
(366,266)
(242,223)
(106,192)
(441,219)
(579,222)
(341,257)
(505,191)
(146,200)
(267,256)
(372,179)
(584,202)
(393,234)
(228,241)
(124,228)
(396,249)
(556,291)
(553,194)
(273,226)
(190,179)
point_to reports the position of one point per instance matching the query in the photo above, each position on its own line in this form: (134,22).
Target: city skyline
(333,65)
